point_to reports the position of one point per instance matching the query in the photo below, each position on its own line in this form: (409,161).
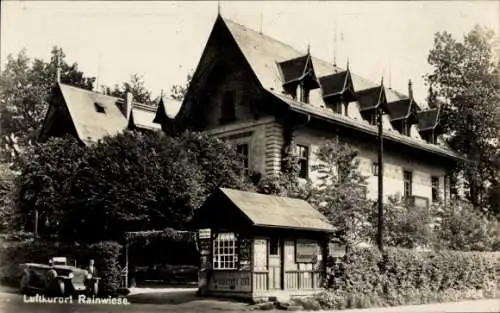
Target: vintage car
(56,278)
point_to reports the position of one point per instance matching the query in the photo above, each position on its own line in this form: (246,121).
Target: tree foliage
(465,83)
(341,193)
(136,86)
(25,90)
(7,197)
(458,226)
(178,92)
(129,182)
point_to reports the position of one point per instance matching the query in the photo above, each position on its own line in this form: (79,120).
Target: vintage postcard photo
(206,156)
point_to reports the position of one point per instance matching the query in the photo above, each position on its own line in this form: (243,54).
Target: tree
(178,92)
(130,182)
(341,194)
(25,90)
(7,197)
(465,84)
(136,86)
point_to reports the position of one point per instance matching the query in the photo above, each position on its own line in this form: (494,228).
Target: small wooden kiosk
(256,246)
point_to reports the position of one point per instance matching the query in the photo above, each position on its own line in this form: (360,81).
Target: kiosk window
(225,257)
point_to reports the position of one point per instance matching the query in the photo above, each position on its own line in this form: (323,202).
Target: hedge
(106,255)
(404,277)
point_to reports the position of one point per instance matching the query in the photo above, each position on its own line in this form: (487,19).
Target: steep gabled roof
(428,119)
(143,117)
(167,109)
(263,53)
(95,115)
(91,125)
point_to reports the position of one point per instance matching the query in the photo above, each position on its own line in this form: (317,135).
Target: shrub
(402,277)
(106,255)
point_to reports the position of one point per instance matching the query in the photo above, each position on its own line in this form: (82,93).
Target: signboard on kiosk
(306,251)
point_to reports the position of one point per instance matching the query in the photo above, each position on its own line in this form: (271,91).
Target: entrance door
(275,266)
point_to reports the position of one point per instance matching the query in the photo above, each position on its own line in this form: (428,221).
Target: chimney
(127,106)
(410,89)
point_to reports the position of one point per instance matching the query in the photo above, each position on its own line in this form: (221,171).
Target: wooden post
(380,180)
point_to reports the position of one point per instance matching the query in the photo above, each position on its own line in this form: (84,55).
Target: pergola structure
(145,237)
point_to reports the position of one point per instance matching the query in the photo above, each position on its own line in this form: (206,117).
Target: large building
(263,95)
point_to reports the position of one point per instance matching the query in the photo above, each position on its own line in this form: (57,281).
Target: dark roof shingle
(428,119)
(370,98)
(399,109)
(333,84)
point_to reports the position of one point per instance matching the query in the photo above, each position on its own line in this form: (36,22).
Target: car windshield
(63,261)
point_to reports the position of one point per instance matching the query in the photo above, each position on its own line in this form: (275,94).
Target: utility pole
(36,224)
(380,180)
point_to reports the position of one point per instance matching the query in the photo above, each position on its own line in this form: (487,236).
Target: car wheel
(60,288)
(24,283)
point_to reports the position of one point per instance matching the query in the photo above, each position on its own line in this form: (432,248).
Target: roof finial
(335,43)
(261,20)
(382,80)
(308,48)
(410,89)
(347,66)
(218,7)
(390,76)
(98,71)
(161,93)
(58,67)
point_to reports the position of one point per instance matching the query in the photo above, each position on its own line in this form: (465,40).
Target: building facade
(263,96)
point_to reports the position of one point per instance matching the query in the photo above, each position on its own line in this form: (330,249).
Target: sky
(163,41)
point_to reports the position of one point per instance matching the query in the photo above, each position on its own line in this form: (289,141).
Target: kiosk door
(275,264)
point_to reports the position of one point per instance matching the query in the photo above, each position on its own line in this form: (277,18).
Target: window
(405,129)
(430,138)
(224,256)
(408,177)
(372,118)
(302,153)
(99,107)
(242,150)
(375,169)
(435,188)
(303,93)
(228,112)
(274,247)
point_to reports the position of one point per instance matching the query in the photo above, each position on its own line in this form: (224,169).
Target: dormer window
(338,91)
(99,107)
(428,125)
(370,102)
(303,92)
(298,77)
